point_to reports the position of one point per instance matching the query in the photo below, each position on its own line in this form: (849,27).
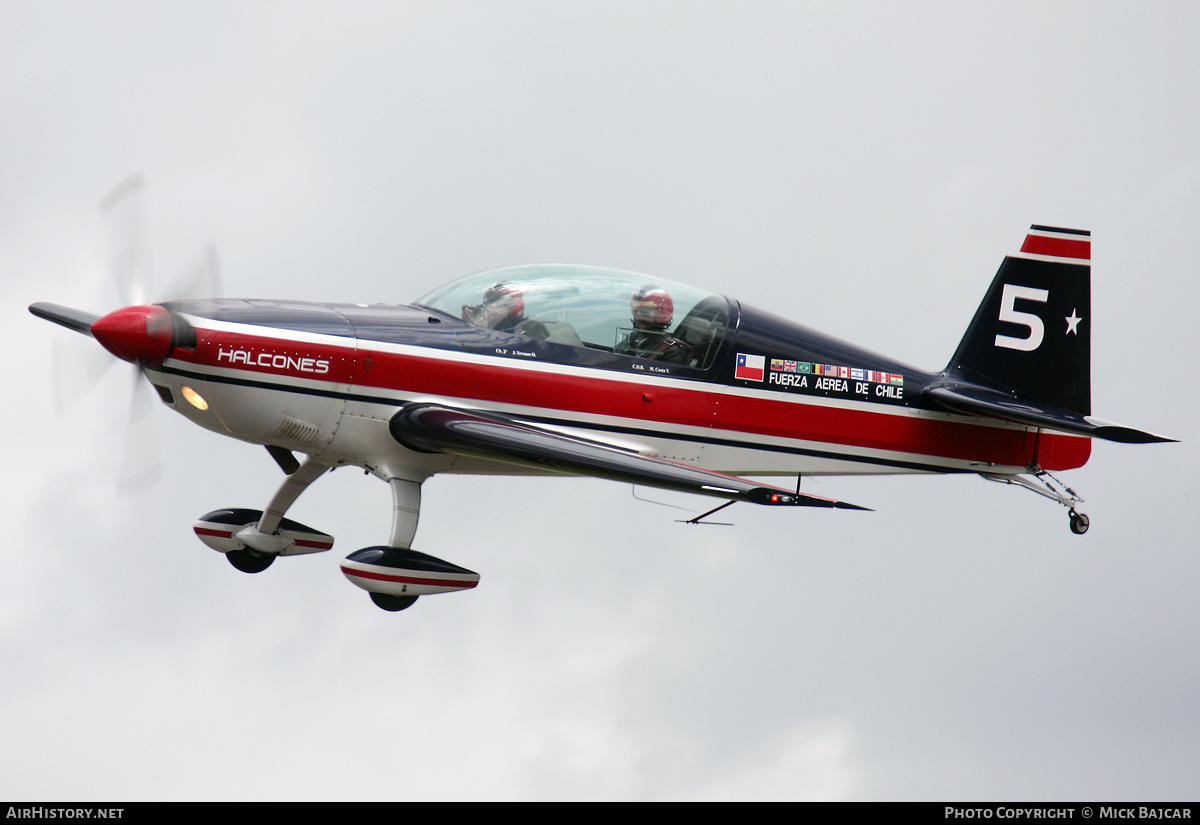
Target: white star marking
(1073,323)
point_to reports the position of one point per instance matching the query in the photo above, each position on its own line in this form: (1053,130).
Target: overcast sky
(862,168)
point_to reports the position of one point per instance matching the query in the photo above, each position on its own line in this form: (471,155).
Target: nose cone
(138,334)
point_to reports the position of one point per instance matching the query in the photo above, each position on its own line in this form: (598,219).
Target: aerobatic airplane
(580,370)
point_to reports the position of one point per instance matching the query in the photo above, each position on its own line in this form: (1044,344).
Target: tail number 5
(1009,313)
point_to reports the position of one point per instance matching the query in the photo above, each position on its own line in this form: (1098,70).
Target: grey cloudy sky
(861,168)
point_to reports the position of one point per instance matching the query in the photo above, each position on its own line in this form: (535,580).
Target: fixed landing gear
(394,574)
(1050,487)
(234,532)
(251,539)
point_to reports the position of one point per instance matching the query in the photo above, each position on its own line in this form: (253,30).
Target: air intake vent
(300,432)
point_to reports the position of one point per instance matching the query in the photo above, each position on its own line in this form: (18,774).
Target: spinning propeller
(138,333)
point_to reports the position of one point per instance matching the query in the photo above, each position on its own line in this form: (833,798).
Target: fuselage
(761,396)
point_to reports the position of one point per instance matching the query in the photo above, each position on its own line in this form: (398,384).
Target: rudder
(1031,336)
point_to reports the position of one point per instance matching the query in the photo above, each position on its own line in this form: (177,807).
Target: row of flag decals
(752,368)
(835,371)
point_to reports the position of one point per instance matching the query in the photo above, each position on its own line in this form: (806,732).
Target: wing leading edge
(435,428)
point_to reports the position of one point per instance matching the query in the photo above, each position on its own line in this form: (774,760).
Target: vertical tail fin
(1026,356)
(1031,336)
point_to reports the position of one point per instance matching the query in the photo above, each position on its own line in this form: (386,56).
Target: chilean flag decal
(750,367)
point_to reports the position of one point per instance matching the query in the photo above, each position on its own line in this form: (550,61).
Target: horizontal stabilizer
(431,427)
(75,320)
(991,403)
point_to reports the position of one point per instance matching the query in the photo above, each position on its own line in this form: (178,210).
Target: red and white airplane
(579,370)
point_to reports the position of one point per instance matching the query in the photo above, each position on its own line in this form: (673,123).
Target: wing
(435,428)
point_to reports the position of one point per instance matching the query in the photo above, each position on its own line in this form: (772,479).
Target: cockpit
(594,307)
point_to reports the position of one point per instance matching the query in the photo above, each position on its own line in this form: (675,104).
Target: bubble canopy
(590,306)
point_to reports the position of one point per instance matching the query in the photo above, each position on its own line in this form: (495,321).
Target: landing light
(194,398)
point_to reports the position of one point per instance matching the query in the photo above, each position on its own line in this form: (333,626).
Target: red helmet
(504,296)
(653,306)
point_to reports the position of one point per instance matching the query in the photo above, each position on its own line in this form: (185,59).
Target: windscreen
(595,307)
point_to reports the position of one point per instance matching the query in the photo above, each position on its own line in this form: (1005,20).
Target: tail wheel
(249,561)
(1079,523)
(393,604)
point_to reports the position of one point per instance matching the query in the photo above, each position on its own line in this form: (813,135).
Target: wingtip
(1126,435)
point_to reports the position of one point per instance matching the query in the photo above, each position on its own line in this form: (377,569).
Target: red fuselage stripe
(672,406)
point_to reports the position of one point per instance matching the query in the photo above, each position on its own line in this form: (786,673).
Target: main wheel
(1079,523)
(393,604)
(249,561)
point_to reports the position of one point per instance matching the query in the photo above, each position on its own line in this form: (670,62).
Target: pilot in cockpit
(653,310)
(503,309)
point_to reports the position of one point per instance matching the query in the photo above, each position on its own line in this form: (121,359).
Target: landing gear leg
(396,575)
(288,492)
(406,510)
(1050,487)
(263,538)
